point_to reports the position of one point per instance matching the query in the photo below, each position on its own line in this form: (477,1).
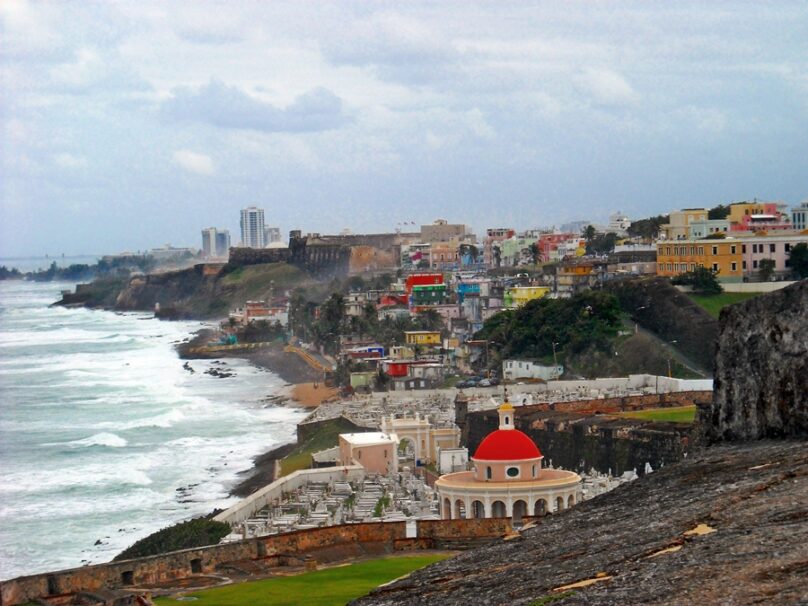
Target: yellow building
(517,296)
(422,337)
(721,256)
(680,220)
(739,210)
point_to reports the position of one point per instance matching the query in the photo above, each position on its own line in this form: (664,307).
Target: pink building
(550,243)
(374,451)
(777,248)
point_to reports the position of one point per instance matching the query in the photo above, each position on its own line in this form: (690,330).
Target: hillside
(190,293)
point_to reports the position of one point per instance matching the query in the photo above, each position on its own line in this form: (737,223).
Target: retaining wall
(329,544)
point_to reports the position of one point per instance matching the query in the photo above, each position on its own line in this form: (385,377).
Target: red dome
(507,445)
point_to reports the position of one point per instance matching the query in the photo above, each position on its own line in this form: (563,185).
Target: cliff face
(761,369)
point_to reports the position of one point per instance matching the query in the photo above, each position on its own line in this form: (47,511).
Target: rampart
(329,544)
(585,434)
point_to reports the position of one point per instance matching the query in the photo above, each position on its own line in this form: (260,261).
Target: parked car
(484,383)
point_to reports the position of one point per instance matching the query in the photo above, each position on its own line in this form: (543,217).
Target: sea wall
(761,378)
(329,544)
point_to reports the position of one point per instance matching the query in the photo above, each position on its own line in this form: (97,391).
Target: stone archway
(459,510)
(447,509)
(570,501)
(477,510)
(540,507)
(519,511)
(559,504)
(498,509)
(407,449)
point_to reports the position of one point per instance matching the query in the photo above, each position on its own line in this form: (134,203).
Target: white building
(252,227)
(799,216)
(272,235)
(215,242)
(619,222)
(525,369)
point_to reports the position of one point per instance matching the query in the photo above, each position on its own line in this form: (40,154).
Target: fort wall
(581,435)
(329,544)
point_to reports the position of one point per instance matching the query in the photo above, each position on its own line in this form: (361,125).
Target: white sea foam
(100,439)
(104,435)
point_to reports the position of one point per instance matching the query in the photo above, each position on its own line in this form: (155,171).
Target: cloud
(194,162)
(607,87)
(229,107)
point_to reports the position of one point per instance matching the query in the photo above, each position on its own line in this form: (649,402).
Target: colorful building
(679,222)
(516,296)
(776,248)
(424,279)
(375,451)
(720,256)
(422,337)
(428,294)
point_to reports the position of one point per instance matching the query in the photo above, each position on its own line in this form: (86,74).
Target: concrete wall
(248,506)
(755,286)
(329,544)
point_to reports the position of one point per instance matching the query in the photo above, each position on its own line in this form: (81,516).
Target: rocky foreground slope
(726,526)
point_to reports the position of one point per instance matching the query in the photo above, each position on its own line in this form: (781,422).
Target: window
(692,250)
(732,249)
(715,267)
(534,471)
(488,473)
(772,247)
(358,454)
(128,577)
(754,264)
(788,247)
(701,250)
(743,264)
(743,248)
(692,267)
(196,565)
(734,266)
(715,250)
(513,472)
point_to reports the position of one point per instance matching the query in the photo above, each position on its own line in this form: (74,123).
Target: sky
(127,125)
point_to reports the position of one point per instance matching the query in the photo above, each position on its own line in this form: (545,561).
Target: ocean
(105,437)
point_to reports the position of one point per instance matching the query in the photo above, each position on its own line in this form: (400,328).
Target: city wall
(329,544)
(576,436)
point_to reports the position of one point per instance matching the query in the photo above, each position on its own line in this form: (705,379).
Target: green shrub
(199,532)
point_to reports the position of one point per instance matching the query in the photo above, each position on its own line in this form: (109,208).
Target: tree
(535,253)
(468,251)
(766,269)
(601,244)
(647,229)
(703,281)
(589,234)
(497,252)
(718,212)
(799,260)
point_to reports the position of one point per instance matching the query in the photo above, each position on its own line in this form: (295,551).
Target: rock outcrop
(761,369)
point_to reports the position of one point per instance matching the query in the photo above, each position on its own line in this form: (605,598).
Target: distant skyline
(133,124)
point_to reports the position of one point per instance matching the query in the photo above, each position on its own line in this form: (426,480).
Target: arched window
(507,420)
(488,473)
(534,471)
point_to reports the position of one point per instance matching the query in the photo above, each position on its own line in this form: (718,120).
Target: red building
(430,279)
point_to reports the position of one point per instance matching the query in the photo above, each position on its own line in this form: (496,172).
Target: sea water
(105,437)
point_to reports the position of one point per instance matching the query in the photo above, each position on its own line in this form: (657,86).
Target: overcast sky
(127,125)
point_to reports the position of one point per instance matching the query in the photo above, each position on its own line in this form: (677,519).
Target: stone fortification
(761,370)
(258,556)
(582,435)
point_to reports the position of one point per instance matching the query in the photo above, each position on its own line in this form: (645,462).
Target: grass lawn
(715,303)
(679,414)
(329,587)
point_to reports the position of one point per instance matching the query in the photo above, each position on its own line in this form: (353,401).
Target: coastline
(303,389)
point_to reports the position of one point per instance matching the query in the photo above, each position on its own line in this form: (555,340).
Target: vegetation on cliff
(589,320)
(198,532)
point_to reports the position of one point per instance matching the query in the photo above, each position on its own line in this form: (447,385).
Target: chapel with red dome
(507,478)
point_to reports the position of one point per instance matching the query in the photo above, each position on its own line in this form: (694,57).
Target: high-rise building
(252,227)
(272,235)
(209,241)
(222,243)
(215,242)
